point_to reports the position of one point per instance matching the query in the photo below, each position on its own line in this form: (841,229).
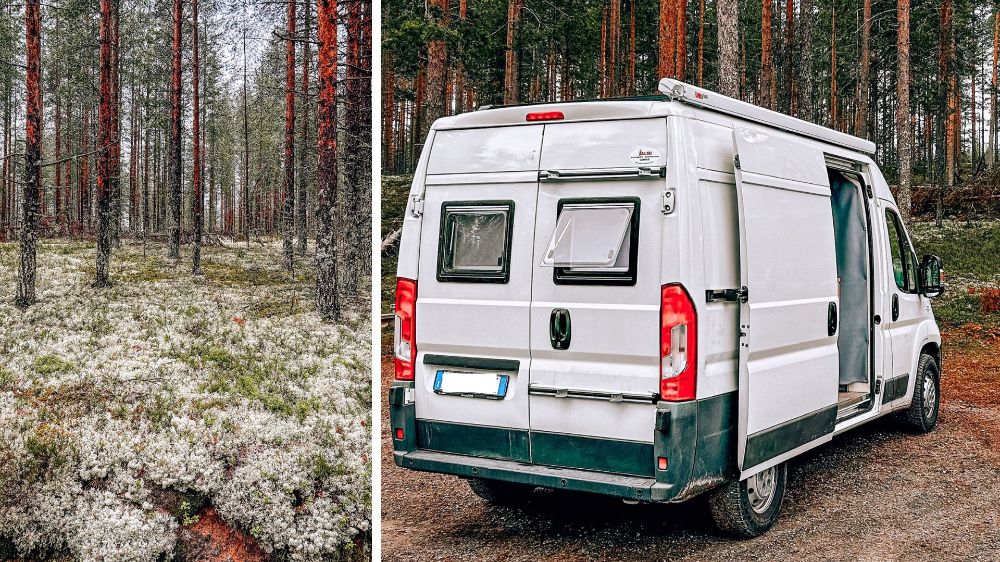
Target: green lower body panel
(473,440)
(590,453)
(769,443)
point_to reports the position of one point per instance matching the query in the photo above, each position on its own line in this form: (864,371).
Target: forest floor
(874,493)
(170,415)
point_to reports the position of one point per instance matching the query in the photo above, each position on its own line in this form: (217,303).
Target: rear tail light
(678,344)
(405,333)
(545,116)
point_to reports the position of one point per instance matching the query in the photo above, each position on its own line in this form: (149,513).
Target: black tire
(921,417)
(732,510)
(498,492)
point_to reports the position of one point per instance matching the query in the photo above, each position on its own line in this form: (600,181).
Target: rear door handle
(831,319)
(895,307)
(560,328)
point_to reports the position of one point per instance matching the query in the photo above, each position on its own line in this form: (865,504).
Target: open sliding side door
(788,320)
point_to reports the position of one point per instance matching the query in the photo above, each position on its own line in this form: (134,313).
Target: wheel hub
(760,489)
(930,397)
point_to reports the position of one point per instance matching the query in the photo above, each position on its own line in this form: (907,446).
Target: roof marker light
(545,116)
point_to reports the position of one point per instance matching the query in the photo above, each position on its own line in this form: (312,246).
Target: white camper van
(652,298)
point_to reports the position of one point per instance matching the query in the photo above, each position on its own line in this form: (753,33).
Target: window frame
(445,250)
(911,285)
(627,278)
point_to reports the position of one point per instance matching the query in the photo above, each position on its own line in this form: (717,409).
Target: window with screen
(474,244)
(595,241)
(904,260)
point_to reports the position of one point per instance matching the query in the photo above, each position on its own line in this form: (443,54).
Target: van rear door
(474,292)
(788,348)
(595,295)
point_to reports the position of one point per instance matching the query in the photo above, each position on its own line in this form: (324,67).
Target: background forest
(185,238)
(917,79)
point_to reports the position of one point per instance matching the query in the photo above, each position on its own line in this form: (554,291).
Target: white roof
(674,92)
(712,101)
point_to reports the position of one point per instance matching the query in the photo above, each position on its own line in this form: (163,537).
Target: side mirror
(929,276)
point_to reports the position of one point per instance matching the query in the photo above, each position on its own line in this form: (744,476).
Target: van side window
(474,243)
(904,261)
(595,242)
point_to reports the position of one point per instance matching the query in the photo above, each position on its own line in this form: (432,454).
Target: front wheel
(750,507)
(923,413)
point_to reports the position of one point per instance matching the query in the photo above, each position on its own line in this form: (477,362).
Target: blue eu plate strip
(437,381)
(502,390)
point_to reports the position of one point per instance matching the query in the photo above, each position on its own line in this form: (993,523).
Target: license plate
(473,385)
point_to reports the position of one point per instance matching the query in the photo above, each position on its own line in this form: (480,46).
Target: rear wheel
(748,508)
(923,413)
(498,492)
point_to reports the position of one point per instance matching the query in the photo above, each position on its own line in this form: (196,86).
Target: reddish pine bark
(681,21)
(766,56)
(701,42)
(288,210)
(602,88)
(25,295)
(116,127)
(104,152)
(327,302)
(174,250)
(668,39)
(197,210)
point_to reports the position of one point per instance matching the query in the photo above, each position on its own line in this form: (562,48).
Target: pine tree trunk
(861,116)
(701,43)
(25,295)
(288,211)
(58,153)
(301,224)
(602,79)
(727,16)
(789,86)
(766,56)
(668,38)
(991,143)
(116,128)
(511,59)
(105,130)
(680,66)
(804,98)
(245,176)
(175,136)
(197,211)
(833,70)
(327,301)
(388,112)
(904,129)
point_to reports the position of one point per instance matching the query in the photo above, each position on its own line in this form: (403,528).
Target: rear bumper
(626,487)
(696,437)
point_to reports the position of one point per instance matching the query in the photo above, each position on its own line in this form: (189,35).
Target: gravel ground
(875,493)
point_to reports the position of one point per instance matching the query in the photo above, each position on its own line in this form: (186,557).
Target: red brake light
(678,344)
(545,116)
(405,333)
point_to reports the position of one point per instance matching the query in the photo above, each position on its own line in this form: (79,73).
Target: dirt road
(877,493)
